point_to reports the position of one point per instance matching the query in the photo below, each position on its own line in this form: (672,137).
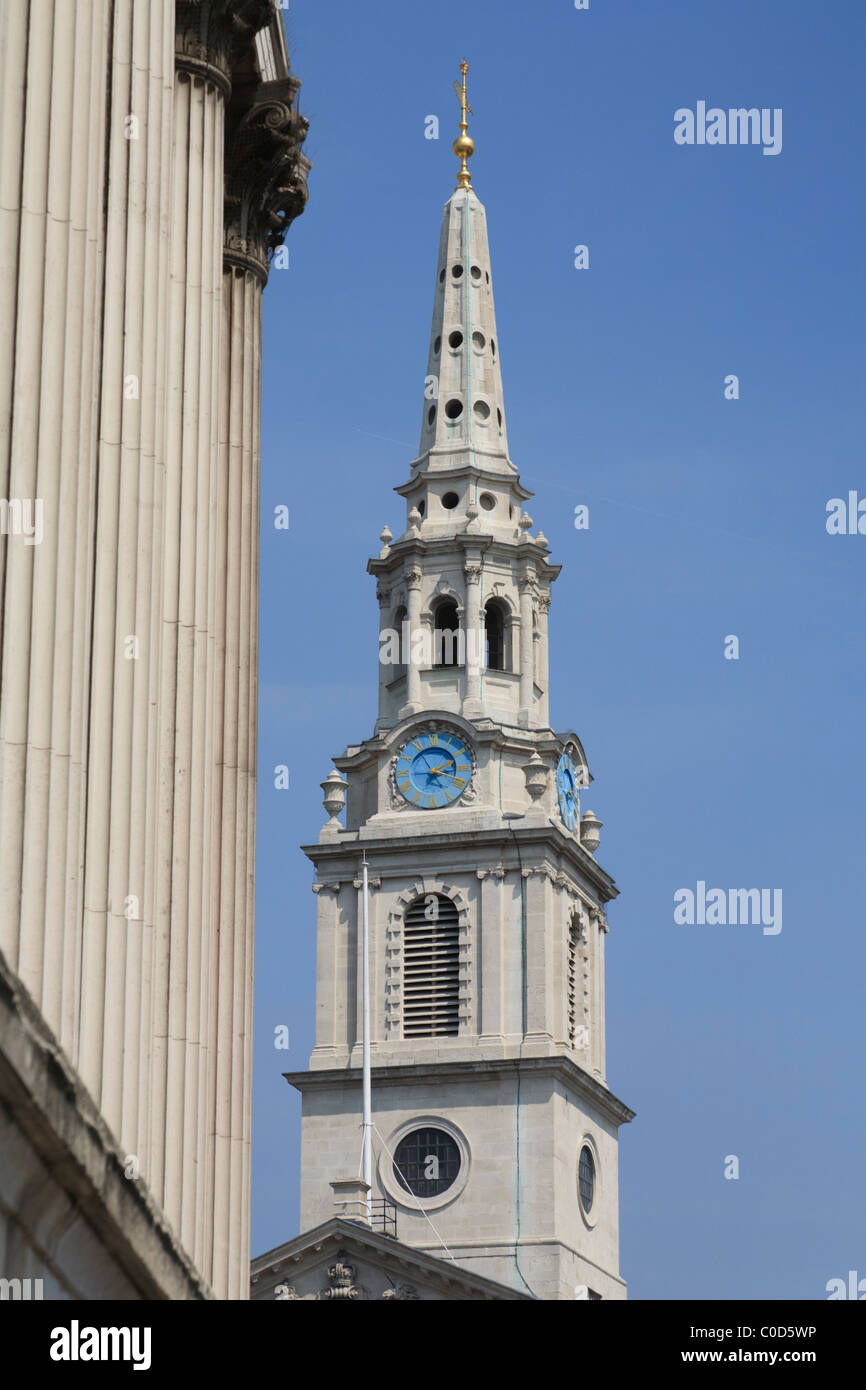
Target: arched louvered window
(431,970)
(494,633)
(446,623)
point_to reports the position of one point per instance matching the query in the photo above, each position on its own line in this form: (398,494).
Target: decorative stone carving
(334,788)
(285,1292)
(327,888)
(403,1292)
(497,872)
(212,36)
(265,175)
(444,590)
(590,825)
(341,1276)
(536,775)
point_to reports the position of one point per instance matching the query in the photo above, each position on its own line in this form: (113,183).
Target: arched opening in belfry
(446,631)
(398,668)
(494,636)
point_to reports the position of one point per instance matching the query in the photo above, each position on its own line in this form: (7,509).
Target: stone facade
(512,1083)
(150,165)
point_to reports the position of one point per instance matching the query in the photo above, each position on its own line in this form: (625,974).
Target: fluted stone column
(130,374)
(265,187)
(53,59)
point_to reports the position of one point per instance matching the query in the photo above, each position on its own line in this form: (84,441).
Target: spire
(464,145)
(463,424)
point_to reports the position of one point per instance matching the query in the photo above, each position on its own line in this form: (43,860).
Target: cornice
(501,548)
(561,1069)
(498,840)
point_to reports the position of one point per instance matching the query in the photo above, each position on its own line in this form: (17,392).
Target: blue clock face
(433,770)
(567,784)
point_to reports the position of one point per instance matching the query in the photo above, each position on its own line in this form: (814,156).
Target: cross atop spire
(464,145)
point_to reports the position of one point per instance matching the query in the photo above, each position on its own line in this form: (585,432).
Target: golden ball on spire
(464,145)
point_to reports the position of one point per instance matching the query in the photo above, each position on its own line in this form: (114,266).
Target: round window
(586,1178)
(426,1163)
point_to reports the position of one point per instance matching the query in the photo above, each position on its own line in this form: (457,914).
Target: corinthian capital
(211,36)
(266,175)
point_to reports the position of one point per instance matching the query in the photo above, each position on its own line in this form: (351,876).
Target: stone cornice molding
(265,176)
(440,1072)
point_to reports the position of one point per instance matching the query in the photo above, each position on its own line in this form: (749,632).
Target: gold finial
(464,145)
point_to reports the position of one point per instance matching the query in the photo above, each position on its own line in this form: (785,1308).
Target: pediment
(344,1261)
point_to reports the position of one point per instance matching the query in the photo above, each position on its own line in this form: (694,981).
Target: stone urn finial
(536,775)
(472,517)
(414,520)
(590,825)
(386,538)
(334,788)
(525,524)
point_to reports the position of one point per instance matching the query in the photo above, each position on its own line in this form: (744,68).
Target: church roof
(346,1260)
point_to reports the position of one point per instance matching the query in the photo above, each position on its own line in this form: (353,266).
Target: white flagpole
(367,1121)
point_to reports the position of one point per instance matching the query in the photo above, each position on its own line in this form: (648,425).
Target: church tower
(495,1132)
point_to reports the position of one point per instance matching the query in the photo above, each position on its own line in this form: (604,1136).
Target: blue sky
(707,518)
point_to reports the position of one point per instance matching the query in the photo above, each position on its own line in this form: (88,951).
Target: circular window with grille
(426,1163)
(587,1180)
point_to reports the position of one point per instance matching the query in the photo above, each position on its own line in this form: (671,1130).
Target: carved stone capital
(265,175)
(211,36)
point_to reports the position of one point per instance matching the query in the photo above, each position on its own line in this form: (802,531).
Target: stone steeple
(486,903)
(467,543)
(464,412)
